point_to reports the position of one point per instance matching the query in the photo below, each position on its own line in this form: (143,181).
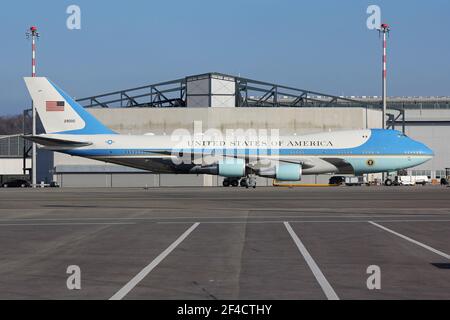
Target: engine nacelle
(283,172)
(228,167)
(231,168)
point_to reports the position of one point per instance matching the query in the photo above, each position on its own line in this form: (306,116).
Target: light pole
(385,29)
(33,34)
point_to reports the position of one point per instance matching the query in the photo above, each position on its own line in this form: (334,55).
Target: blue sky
(317,45)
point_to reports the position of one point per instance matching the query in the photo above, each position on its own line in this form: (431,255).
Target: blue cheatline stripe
(92,125)
(282,152)
(381,142)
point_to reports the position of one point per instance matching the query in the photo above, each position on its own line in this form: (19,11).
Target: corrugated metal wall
(141,180)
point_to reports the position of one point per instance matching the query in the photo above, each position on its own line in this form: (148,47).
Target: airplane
(72,130)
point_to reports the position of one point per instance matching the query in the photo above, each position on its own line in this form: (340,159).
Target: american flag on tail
(51,106)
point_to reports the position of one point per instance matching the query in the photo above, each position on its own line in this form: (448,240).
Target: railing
(13,146)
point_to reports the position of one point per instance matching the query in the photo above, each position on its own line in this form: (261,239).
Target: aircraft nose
(426,150)
(422,149)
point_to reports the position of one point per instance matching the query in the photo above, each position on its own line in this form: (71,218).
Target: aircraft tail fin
(59,113)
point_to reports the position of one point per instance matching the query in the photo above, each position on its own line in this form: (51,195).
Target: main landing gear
(247,182)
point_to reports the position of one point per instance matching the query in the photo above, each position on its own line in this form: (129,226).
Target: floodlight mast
(384,29)
(33,34)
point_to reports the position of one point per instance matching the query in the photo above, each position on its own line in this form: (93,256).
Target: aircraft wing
(304,161)
(255,161)
(343,166)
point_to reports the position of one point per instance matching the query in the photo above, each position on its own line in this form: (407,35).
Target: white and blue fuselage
(352,152)
(72,130)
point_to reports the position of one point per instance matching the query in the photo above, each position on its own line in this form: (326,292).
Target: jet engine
(282,172)
(228,167)
(231,168)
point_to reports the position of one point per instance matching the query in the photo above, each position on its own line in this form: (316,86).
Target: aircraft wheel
(226,183)
(251,182)
(235,183)
(388,182)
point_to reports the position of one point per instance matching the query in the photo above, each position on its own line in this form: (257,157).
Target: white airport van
(354,181)
(423,180)
(410,180)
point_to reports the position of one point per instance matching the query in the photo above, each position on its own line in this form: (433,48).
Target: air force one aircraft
(72,130)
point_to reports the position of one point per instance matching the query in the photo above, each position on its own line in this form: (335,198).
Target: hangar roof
(248,93)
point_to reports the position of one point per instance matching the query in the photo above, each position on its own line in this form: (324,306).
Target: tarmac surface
(217,243)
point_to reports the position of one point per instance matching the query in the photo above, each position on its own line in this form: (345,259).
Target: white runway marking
(144,272)
(367,216)
(299,221)
(252,209)
(326,287)
(65,224)
(411,240)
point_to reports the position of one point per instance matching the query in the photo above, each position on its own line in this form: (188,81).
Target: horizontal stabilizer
(53,143)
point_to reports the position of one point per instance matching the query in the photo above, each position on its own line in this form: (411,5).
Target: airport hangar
(223,102)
